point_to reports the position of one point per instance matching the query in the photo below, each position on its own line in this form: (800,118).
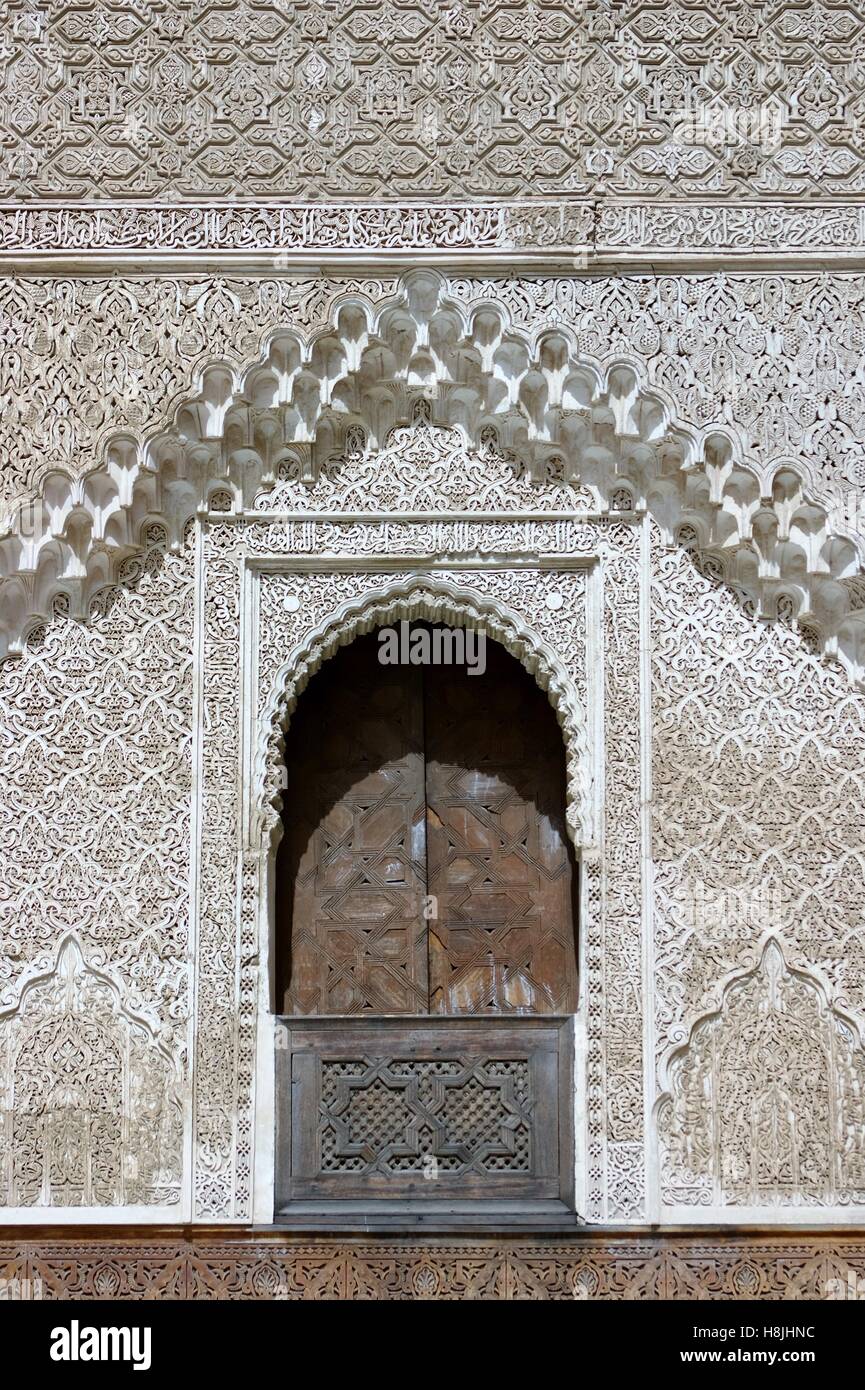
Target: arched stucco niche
(452,598)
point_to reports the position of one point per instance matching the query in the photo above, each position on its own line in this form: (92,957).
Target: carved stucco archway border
(434,599)
(426,596)
(777,535)
(770,952)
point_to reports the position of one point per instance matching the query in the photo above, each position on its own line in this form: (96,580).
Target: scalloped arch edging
(436,600)
(544,398)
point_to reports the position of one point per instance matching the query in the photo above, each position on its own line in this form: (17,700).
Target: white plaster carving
(442,600)
(766,1098)
(94,1114)
(95,817)
(550,403)
(758,809)
(324,102)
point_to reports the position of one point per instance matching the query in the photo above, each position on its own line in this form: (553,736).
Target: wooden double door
(425,866)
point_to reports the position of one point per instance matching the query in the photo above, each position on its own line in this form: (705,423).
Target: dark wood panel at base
(183,1262)
(437,1111)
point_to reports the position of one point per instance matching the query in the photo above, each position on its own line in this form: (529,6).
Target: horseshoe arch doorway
(426,922)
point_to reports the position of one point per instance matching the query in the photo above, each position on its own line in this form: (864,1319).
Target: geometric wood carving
(351,866)
(501,864)
(473,1110)
(583,1265)
(425,864)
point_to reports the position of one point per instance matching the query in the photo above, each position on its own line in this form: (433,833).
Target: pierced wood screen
(475,1110)
(409,785)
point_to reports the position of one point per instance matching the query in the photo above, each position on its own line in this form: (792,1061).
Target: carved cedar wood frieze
(207,1265)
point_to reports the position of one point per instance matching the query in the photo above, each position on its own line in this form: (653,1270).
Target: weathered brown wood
(233,1262)
(351,869)
(500,865)
(436,1112)
(410,785)
(405,782)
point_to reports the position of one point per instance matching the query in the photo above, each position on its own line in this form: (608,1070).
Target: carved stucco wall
(569,374)
(675,194)
(332,99)
(95,734)
(778,356)
(759,868)
(751,1003)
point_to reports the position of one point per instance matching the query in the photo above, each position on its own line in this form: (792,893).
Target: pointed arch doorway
(426,919)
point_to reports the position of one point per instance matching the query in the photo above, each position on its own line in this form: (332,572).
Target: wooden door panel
(351,870)
(405,781)
(500,865)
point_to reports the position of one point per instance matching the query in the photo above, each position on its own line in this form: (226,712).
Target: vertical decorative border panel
(592,1151)
(221,1176)
(621,951)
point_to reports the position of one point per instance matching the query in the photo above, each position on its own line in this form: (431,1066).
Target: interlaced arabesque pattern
(333,99)
(767,470)
(759,885)
(95,752)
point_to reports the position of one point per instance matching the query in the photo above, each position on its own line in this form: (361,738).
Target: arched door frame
(434,597)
